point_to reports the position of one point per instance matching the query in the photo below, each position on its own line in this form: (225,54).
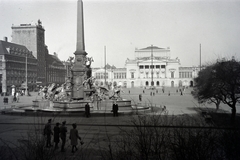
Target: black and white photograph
(119,79)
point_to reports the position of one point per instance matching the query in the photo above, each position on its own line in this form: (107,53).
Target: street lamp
(26,92)
(152,83)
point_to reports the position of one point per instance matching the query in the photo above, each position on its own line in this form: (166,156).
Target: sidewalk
(23,101)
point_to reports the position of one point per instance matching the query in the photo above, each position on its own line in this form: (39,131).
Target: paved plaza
(95,129)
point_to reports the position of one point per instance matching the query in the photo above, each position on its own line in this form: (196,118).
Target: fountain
(80,88)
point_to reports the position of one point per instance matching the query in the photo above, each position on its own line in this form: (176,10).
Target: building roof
(151,47)
(54,60)
(5,48)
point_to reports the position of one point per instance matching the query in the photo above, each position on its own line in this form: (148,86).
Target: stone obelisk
(79,68)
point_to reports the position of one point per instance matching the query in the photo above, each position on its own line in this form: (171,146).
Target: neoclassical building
(152,66)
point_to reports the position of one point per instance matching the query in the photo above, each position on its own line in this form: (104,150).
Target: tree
(220,82)
(203,90)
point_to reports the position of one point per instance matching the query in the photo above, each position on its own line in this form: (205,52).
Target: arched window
(172,84)
(146,83)
(132,84)
(158,84)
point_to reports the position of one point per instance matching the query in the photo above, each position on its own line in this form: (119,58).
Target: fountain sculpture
(80,88)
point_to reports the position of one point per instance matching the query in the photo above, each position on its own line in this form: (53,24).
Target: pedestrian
(17,96)
(169,93)
(74,137)
(87,110)
(115,109)
(181,93)
(143,91)
(153,93)
(48,133)
(140,97)
(56,130)
(129,91)
(63,134)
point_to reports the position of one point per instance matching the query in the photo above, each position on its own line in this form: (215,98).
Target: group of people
(61,132)
(16,97)
(114,109)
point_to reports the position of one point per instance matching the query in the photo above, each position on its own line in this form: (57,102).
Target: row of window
(120,75)
(12,80)
(101,75)
(185,74)
(152,66)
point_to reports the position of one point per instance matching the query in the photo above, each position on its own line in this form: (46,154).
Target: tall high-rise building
(33,37)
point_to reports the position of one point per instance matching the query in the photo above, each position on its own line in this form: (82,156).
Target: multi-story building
(152,66)
(56,71)
(111,75)
(15,60)
(33,37)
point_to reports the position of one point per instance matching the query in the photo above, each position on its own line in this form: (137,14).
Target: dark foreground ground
(98,132)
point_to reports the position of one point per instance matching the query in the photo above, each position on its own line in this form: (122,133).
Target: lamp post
(26,91)
(152,86)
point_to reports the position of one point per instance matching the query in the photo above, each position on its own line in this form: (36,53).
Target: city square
(94,130)
(174,102)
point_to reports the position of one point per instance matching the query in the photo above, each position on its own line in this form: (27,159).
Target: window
(147,67)
(157,66)
(146,83)
(132,74)
(163,66)
(141,67)
(172,74)
(151,66)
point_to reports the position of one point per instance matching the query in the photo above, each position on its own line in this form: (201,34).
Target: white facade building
(152,66)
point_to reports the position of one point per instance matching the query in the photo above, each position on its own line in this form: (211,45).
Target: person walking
(140,97)
(63,134)
(74,137)
(56,130)
(17,96)
(87,110)
(48,133)
(115,109)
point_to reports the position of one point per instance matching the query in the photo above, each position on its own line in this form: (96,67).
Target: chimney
(5,39)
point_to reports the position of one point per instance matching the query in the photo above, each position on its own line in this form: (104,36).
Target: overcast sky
(124,25)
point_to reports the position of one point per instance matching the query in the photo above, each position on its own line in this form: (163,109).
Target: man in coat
(63,134)
(56,130)
(115,109)
(48,132)
(87,110)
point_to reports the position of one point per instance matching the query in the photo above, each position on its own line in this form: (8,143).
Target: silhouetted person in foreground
(87,110)
(63,134)
(115,109)
(56,130)
(74,137)
(48,132)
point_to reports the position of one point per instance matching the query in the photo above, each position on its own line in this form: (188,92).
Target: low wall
(123,105)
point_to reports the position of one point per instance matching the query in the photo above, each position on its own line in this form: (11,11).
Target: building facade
(152,66)
(33,37)
(56,72)
(111,75)
(18,66)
